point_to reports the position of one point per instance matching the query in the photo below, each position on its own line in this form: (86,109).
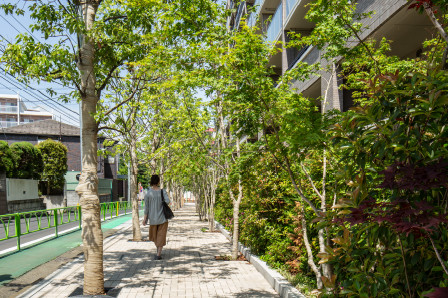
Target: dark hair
(155,180)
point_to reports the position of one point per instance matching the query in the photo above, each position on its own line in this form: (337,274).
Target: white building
(13,111)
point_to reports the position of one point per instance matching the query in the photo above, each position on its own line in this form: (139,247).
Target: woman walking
(158,224)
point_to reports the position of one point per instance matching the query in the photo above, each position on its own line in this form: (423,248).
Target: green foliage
(7,161)
(268,216)
(29,161)
(144,175)
(54,156)
(404,124)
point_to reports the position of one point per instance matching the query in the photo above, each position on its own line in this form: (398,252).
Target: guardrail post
(118,205)
(79,216)
(18,232)
(55,217)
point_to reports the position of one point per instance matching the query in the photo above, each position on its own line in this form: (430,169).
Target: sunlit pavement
(188,267)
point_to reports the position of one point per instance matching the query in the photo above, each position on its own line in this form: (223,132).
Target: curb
(80,259)
(280,284)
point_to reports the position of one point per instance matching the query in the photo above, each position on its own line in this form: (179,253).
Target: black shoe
(157,257)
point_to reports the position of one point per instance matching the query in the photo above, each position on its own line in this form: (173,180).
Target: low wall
(25,205)
(3,200)
(72,198)
(53,202)
(21,189)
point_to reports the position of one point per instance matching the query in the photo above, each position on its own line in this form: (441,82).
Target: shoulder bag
(166,209)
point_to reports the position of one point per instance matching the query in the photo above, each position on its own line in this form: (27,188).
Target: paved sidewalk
(188,268)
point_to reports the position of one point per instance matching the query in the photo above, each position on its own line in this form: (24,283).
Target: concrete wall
(72,198)
(3,201)
(21,189)
(25,205)
(53,202)
(108,190)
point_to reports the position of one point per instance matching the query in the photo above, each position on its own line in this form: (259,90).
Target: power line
(10,24)
(27,84)
(23,26)
(26,91)
(43,94)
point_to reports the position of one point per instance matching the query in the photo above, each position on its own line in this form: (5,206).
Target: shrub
(29,161)
(54,155)
(7,161)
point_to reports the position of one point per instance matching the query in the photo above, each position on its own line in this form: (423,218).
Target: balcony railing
(5,124)
(289,6)
(8,109)
(298,56)
(276,25)
(251,20)
(239,13)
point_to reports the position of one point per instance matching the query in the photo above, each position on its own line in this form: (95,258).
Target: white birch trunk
(87,189)
(136,231)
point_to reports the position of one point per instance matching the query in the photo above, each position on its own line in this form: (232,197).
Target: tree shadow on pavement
(254,293)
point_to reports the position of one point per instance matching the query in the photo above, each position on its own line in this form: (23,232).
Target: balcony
(8,109)
(290,4)
(239,14)
(294,55)
(6,124)
(275,26)
(252,19)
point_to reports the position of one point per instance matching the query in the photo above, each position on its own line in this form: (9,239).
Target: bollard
(79,216)
(55,217)
(18,232)
(117,207)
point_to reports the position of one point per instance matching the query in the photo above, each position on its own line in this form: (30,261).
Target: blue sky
(34,94)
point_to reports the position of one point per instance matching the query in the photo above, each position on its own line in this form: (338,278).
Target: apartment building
(391,19)
(13,112)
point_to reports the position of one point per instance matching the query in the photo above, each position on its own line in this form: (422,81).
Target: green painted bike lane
(19,263)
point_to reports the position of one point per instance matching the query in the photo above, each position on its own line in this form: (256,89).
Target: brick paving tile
(188,267)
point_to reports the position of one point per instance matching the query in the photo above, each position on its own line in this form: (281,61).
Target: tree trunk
(324,238)
(87,189)
(136,232)
(236,211)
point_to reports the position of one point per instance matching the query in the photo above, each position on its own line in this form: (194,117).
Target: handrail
(275,26)
(254,15)
(39,220)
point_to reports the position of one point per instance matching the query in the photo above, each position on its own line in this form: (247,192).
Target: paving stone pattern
(188,267)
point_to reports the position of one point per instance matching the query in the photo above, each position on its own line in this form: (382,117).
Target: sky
(34,94)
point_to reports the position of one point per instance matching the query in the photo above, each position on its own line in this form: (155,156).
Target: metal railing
(251,20)
(239,13)
(298,56)
(289,7)
(276,25)
(19,224)
(8,109)
(5,124)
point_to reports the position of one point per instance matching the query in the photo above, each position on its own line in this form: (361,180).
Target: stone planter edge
(280,284)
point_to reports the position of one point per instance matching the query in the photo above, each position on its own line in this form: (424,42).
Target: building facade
(68,135)
(13,112)
(392,19)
